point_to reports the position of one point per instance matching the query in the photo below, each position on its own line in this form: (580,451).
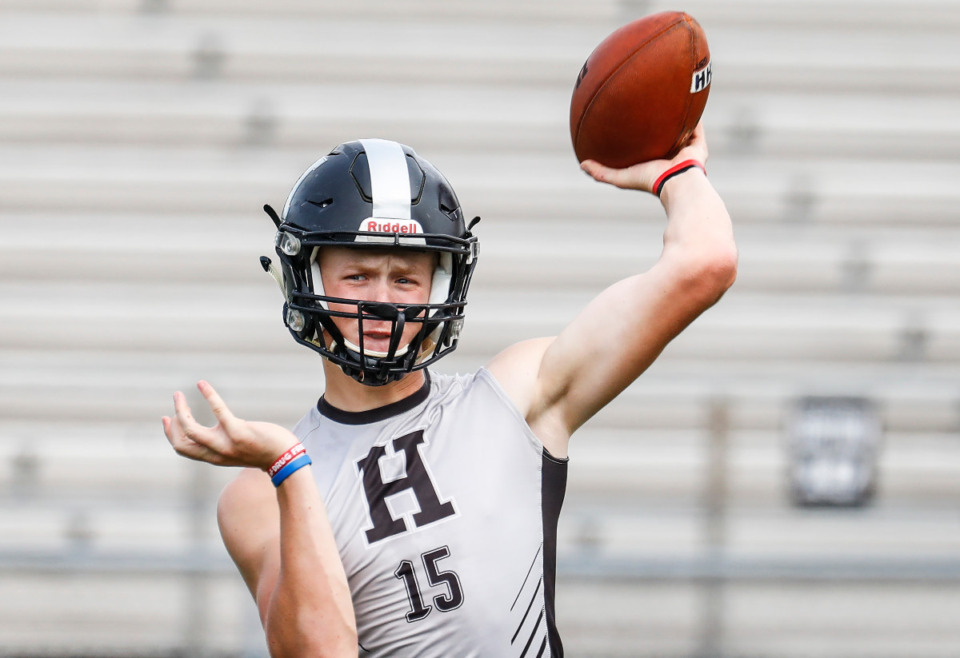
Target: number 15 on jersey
(450,600)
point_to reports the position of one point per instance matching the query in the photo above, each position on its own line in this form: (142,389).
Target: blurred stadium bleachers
(139,139)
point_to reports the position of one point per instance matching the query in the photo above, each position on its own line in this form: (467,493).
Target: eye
(409,280)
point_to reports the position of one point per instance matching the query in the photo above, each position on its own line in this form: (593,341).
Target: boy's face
(397,276)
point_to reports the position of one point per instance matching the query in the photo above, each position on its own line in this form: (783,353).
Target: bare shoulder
(249,520)
(517,368)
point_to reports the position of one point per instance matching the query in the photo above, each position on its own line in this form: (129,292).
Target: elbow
(721,269)
(708,275)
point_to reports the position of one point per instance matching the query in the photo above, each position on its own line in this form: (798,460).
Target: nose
(381,289)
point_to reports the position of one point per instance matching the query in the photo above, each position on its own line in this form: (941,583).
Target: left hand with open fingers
(231,442)
(642,176)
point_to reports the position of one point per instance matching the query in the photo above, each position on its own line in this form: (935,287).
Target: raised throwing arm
(559,383)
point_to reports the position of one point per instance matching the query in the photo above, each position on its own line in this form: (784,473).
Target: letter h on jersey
(417,480)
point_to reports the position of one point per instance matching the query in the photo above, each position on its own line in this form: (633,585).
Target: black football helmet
(365,194)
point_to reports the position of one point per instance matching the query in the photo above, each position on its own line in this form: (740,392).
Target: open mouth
(377,333)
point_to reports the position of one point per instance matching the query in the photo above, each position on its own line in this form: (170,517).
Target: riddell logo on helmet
(403,226)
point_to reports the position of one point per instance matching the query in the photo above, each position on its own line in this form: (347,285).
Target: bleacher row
(139,138)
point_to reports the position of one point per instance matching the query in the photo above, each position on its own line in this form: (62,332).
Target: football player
(443,492)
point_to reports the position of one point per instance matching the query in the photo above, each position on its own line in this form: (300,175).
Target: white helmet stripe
(389,179)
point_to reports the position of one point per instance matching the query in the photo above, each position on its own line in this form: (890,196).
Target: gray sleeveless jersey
(444,506)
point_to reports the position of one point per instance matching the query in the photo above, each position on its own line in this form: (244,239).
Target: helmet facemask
(438,321)
(309,314)
(373,194)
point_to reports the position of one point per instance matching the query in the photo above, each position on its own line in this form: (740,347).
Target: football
(642,91)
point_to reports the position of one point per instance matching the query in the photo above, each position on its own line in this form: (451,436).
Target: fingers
(217,405)
(594,169)
(695,147)
(229,443)
(181,409)
(642,176)
(193,439)
(624,178)
(184,445)
(637,177)
(597,171)
(699,133)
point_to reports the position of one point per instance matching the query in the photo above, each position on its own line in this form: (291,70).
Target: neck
(347,394)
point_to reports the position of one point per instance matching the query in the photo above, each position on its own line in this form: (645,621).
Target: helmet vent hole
(448,203)
(321,204)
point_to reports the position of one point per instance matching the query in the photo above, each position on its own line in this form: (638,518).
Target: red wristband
(675,170)
(285,458)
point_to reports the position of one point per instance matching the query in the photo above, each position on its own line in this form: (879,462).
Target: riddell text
(390,227)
